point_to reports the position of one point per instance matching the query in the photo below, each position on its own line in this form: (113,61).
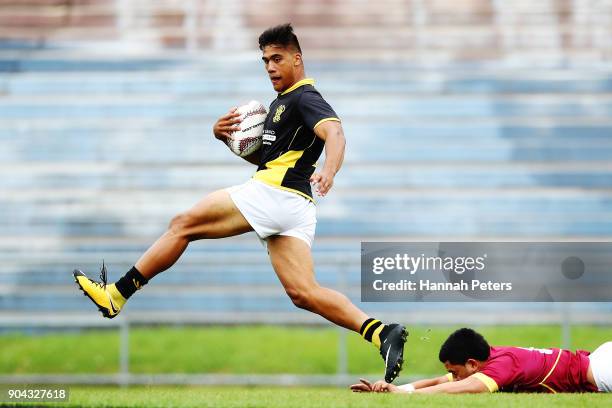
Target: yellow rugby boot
(106,297)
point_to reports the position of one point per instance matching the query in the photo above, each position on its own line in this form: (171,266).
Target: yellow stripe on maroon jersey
(488,381)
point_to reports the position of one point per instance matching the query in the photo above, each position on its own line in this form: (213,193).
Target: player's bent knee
(302,298)
(181,224)
(176,224)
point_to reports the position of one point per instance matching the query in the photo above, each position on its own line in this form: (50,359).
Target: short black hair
(462,345)
(279,35)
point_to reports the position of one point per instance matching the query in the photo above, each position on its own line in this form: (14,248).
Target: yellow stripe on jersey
(276,169)
(488,381)
(305,81)
(547,387)
(550,372)
(325,120)
(449,377)
(553,367)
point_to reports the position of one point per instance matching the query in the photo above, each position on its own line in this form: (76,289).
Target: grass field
(222,397)
(264,350)
(245,350)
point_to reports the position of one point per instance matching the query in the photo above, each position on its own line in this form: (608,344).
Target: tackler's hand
(383,386)
(363,386)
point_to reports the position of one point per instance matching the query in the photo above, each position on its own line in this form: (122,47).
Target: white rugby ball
(248,138)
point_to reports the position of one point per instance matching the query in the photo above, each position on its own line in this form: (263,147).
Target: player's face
(461,371)
(282,65)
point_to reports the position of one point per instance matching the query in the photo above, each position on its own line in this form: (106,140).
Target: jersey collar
(305,81)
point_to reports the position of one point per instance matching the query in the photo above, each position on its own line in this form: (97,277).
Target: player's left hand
(323,181)
(363,386)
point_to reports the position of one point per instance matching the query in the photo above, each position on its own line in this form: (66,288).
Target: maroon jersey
(516,369)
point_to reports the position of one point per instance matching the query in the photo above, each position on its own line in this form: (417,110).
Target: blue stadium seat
(96,155)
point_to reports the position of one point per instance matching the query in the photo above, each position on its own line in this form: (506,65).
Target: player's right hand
(227,124)
(383,386)
(378,386)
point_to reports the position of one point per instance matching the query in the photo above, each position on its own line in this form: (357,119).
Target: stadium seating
(459,126)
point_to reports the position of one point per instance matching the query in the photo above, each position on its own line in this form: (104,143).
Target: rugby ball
(248,138)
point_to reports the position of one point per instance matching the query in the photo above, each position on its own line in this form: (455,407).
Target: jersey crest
(278,113)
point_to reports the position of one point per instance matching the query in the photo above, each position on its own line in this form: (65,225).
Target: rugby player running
(475,367)
(277,203)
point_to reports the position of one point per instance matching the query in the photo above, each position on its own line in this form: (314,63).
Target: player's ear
(297,59)
(472,365)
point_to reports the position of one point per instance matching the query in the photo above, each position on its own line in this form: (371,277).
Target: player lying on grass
(277,203)
(474,366)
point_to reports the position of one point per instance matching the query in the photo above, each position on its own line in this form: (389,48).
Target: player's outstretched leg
(215,216)
(292,261)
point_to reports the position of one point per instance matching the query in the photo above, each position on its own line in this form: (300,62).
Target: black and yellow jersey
(290,148)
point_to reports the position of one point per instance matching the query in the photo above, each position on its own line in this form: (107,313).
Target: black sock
(130,282)
(371,330)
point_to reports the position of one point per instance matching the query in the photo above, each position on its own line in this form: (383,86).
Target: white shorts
(601,365)
(273,211)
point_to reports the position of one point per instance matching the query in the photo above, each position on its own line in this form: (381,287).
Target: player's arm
(470,385)
(440,385)
(228,123)
(331,133)
(382,386)
(430,382)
